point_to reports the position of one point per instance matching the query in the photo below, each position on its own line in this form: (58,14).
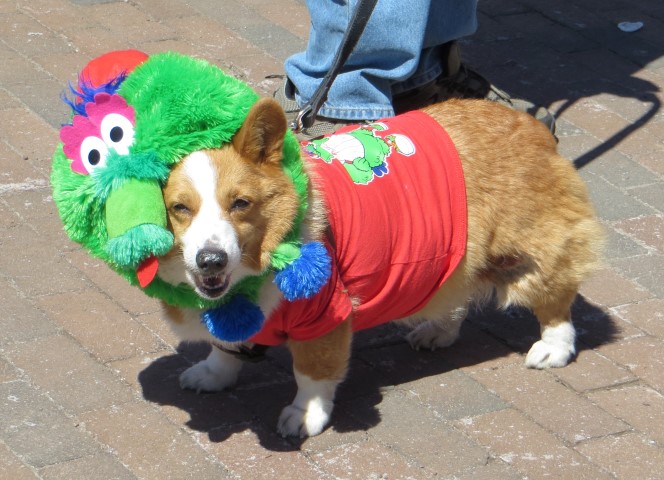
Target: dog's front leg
(217,372)
(319,366)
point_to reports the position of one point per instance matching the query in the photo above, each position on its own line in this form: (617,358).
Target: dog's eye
(181,208)
(240,204)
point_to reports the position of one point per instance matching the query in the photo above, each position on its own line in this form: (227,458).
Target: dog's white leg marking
(218,371)
(434,334)
(555,349)
(311,409)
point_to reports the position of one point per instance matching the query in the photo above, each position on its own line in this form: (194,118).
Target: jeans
(398,51)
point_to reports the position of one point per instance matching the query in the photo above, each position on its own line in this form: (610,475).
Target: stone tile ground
(88,371)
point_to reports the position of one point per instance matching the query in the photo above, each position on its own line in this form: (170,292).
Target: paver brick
(12,467)
(619,245)
(549,403)
(606,287)
(642,355)
(412,430)
(626,456)
(100,325)
(453,395)
(526,446)
(18,173)
(259,454)
(640,406)
(648,315)
(652,195)
(591,371)
(101,465)
(20,320)
(30,136)
(69,376)
(368,460)
(116,287)
(648,229)
(149,445)
(646,270)
(35,430)
(7,371)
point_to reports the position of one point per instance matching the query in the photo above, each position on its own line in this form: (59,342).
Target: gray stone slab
(102,466)
(20,320)
(454,395)
(619,170)
(610,202)
(34,428)
(621,246)
(646,270)
(413,429)
(235,15)
(651,195)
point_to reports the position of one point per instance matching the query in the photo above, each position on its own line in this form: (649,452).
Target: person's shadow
(381,359)
(559,54)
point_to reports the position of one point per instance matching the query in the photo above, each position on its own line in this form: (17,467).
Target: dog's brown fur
(531,229)
(532,235)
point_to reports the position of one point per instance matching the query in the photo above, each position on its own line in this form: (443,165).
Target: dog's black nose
(211,261)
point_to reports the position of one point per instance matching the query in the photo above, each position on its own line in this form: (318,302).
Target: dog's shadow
(381,360)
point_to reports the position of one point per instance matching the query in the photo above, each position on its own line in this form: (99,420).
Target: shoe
(458,81)
(285,96)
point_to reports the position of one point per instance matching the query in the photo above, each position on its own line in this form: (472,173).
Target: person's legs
(399,50)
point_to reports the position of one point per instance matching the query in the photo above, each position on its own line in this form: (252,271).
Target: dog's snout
(211,261)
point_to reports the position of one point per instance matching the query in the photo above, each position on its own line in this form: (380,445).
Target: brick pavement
(88,371)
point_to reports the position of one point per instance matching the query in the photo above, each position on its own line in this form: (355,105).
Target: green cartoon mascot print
(363,153)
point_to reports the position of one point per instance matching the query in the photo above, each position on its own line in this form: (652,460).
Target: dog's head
(229,208)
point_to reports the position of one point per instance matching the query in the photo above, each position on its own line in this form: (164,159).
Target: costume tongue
(136,226)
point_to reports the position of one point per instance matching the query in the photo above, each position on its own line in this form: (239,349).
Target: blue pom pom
(305,276)
(235,321)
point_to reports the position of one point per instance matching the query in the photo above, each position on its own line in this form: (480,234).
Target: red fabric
(397,238)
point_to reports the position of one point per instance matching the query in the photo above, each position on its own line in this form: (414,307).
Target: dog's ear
(261,137)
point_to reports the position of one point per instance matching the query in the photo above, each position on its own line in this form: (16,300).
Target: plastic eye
(117,132)
(93,153)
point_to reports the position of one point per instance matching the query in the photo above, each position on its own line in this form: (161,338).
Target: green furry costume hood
(134,118)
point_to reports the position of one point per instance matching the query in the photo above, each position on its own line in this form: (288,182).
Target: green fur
(181,105)
(130,248)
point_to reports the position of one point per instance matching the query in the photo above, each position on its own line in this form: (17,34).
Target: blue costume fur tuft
(305,276)
(85,93)
(235,321)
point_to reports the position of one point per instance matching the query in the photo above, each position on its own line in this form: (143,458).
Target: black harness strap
(253,354)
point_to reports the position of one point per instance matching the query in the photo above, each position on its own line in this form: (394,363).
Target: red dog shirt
(396,201)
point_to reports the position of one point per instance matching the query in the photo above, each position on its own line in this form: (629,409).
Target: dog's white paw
(430,336)
(217,372)
(311,409)
(297,422)
(556,348)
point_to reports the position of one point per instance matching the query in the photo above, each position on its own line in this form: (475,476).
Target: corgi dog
(520,229)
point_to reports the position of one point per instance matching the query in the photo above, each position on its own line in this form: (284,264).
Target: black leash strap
(305,118)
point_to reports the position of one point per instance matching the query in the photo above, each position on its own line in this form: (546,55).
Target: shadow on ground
(562,52)
(381,360)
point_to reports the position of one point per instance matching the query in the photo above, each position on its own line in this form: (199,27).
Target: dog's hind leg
(440,333)
(319,366)
(557,345)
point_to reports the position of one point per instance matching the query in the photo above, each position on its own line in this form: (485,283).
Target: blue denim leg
(398,51)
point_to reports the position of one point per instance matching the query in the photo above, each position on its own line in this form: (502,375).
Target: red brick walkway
(88,370)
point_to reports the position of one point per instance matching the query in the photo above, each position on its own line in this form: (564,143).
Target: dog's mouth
(211,286)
